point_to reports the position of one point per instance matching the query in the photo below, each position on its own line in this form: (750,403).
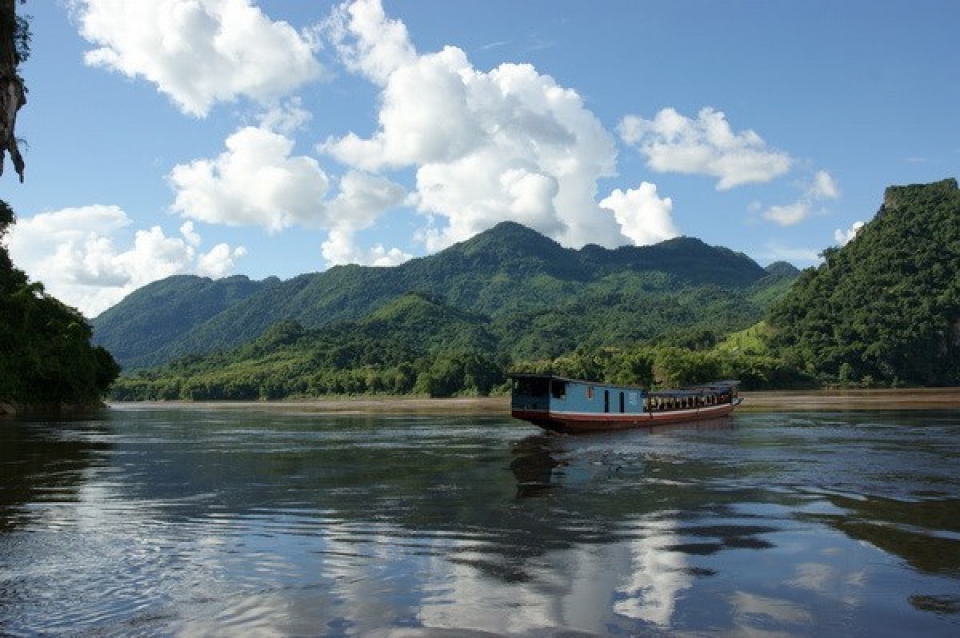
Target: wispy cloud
(820,188)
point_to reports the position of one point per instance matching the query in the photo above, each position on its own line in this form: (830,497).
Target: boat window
(532,386)
(559,389)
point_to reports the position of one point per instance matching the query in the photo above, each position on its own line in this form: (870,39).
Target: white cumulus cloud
(643,215)
(74,252)
(198,52)
(219,261)
(381,45)
(361,200)
(341,248)
(509,143)
(256,181)
(844,237)
(707,145)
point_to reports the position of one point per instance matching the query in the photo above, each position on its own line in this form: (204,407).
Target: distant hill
(780,276)
(538,297)
(885,308)
(882,310)
(151,318)
(411,344)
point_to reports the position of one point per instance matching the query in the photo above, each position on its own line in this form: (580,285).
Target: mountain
(526,286)
(411,343)
(149,319)
(780,276)
(885,308)
(782,269)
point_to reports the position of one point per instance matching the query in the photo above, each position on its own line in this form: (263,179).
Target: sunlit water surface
(199,522)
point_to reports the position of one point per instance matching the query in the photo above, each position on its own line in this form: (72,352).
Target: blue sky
(224,137)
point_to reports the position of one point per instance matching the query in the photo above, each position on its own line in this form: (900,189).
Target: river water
(189,521)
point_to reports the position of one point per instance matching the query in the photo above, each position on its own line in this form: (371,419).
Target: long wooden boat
(559,404)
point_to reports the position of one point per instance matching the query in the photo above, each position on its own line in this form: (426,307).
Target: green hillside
(412,344)
(540,298)
(885,308)
(882,310)
(154,316)
(451,323)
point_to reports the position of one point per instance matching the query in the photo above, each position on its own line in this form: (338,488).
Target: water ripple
(192,522)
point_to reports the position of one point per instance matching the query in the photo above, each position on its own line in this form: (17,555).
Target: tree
(884,308)
(14,49)
(46,356)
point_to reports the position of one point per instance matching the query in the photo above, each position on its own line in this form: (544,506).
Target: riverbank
(769,401)
(54,410)
(899,399)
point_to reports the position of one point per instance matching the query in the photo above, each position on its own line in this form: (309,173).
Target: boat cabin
(563,404)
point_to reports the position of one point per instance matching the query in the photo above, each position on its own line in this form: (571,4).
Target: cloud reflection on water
(428,528)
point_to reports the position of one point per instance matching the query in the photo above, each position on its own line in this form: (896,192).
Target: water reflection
(532,465)
(46,462)
(191,522)
(925,533)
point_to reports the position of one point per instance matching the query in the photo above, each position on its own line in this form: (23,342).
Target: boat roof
(713,385)
(556,377)
(690,390)
(697,390)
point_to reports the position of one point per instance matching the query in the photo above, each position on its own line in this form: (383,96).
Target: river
(150,520)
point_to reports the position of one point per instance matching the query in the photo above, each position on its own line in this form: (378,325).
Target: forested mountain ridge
(882,310)
(167,309)
(885,308)
(511,275)
(411,344)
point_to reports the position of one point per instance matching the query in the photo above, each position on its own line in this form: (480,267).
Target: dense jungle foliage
(390,352)
(544,298)
(884,309)
(46,358)
(460,320)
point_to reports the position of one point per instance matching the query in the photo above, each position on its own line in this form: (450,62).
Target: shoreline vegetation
(883,311)
(13,409)
(758,401)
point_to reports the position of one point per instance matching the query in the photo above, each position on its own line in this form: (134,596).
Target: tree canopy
(886,307)
(46,356)
(882,310)
(540,298)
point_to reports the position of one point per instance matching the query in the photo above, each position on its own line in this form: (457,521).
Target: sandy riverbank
(346,405)
(912,399)
(908,399)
